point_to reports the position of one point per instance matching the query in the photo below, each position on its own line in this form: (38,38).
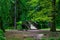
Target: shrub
(2,35)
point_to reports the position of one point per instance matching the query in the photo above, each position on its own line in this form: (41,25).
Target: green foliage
(19,27)
(2,35)
(4,11)
(58,13)
(41,8)
(34,10)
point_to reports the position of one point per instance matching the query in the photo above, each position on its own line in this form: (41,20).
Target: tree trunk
(15,16)
(53,27)
(1,25)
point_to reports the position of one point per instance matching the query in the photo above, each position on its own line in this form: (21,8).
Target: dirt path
(20,35)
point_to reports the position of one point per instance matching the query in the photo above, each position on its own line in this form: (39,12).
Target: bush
(19,27)
(2,35)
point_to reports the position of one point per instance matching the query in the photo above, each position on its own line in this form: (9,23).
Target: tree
(30,10)
(58,13)
(1,25)
(4,11)
(15,12)
(53,27)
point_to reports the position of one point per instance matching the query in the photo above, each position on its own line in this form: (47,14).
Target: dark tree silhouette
(1,25)
(25,25)
(53,27)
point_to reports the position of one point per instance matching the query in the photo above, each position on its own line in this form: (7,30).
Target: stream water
(32,26)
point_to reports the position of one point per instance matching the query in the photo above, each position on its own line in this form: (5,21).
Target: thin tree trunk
(15,17)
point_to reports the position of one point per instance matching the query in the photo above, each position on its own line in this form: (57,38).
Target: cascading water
(32,26)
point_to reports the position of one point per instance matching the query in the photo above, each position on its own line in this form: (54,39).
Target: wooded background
(14,12)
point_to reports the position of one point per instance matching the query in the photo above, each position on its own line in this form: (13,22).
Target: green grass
(58,29)
(50,38)
(28,39)
(34,39)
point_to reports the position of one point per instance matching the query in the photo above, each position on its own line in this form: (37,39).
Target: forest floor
(32,34)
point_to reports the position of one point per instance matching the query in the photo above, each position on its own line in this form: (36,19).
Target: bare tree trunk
(15,16)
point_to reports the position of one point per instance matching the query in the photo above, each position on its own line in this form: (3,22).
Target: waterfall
(32,26)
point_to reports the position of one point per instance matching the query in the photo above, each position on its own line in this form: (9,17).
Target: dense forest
(18,17)
(13,13)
